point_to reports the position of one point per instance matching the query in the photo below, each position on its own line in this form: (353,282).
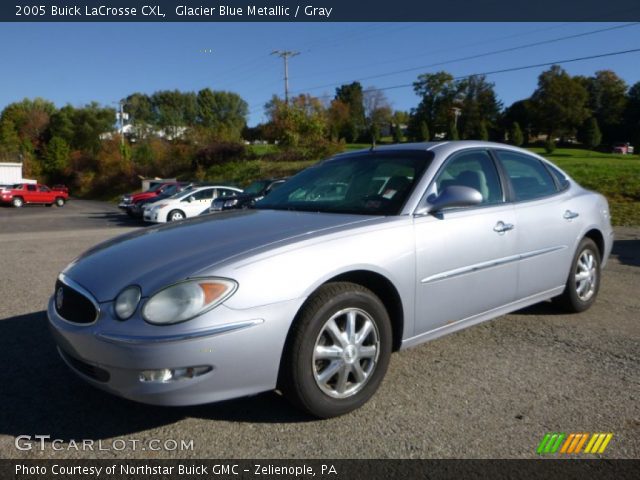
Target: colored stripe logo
(573,443)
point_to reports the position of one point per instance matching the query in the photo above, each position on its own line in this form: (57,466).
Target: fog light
(166,375)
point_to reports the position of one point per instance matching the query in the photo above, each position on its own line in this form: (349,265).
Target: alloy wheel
(346,353)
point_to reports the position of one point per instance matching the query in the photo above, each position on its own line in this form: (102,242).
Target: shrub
(549,145)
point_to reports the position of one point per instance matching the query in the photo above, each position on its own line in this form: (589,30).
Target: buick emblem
(59,298)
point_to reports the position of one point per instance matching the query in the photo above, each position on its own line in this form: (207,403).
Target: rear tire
(17,202)
(337,352)
(175,216)
(59,202)
(583,283)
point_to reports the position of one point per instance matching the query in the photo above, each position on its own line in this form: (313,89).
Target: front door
(466,257)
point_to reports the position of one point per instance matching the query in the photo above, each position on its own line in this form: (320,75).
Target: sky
(76,63)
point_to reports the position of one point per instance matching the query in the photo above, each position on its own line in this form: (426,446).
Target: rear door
(466,263)
(547,219)
(31,195)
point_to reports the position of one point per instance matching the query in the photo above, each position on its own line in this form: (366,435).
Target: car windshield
(256,187)
(370,183)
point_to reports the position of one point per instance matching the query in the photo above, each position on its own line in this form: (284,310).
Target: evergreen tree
(515,135)
(592,135)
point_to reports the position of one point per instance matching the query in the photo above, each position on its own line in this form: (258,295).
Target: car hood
(158,256)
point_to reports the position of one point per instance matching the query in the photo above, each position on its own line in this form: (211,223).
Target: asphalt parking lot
(491,391)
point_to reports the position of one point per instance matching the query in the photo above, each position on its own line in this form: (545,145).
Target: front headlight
(231,203)
(158,207)
(127,302)
(187,300)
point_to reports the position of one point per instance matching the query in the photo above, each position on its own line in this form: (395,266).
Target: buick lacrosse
(311,290)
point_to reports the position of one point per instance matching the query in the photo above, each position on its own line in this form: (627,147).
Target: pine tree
(592,134)
(515,135)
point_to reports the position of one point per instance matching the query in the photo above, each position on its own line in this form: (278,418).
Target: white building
(11,173)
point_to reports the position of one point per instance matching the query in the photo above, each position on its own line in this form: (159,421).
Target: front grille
(72,305)
(91,371)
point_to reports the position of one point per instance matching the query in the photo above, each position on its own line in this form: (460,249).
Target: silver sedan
(311,290)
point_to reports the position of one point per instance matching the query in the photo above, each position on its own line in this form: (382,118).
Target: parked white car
(190,202)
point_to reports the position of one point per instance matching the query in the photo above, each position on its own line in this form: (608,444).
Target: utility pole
(285,55)
(121,116)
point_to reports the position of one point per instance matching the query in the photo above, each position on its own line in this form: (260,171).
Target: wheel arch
(598,238)
(381,286)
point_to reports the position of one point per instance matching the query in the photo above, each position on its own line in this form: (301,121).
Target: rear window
(529,177)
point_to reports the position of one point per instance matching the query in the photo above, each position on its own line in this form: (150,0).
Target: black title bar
(188,469)
(320,11)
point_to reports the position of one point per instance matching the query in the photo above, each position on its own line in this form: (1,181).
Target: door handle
(502,227)
(568,215)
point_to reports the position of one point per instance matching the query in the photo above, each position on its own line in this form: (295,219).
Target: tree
(424,132)
(29,120)
(590,133)
(607,101)
(396,133)
(339,119)
(515,135)
(174,110)
(302,122)
(632,116)
(438,93)
(223,113)
(56,157)
(479,107)
(377,112)
(352,96)
(521,112)
(559,102)
(81,127)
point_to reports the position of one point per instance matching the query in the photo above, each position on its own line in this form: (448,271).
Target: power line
(481,55)
(523,67)
(511,69)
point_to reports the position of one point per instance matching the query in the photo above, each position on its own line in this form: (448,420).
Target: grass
(617,177)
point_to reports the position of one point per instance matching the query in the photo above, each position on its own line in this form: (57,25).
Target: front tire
(338,350)
(583,283)
(175,216)
(17,202)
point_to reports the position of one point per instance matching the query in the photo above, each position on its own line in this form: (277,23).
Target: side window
(473,169)
(223,192)
(43,188)
(529,177)
(31,188)
(206,194)
(559,176)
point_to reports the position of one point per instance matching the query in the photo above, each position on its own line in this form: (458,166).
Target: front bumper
(243,347)
(151,216)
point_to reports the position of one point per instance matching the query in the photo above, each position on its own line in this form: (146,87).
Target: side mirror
(453,196)
(190,198)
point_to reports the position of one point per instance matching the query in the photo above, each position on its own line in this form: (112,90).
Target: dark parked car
(253,193)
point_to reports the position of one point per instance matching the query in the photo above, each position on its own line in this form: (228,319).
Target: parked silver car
(310,295)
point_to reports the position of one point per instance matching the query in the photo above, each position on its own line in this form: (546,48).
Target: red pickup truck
(21,193)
